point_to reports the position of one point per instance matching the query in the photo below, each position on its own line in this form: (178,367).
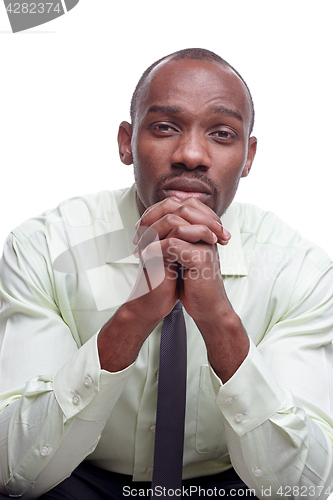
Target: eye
(163,128)
(223,134)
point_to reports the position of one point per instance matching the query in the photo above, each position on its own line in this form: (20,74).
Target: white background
(66,85)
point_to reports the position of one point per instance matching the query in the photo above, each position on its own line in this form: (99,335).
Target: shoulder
(76,212)
(268,230)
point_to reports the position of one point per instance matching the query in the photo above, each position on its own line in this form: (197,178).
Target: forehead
(194,83)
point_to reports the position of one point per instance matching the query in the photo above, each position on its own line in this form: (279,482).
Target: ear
(252,148)
(124,143)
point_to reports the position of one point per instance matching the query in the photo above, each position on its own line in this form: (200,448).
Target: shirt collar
(123,244)
(231,255)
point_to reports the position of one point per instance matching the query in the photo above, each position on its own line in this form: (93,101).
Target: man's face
(190,136)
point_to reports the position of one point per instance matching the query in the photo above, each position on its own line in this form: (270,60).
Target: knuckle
(171,201)
(177,231)
(170,219)
(173,242)
(193,201)
(184,210)
(205,229)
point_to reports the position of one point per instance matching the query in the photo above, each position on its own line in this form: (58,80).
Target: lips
(184,188)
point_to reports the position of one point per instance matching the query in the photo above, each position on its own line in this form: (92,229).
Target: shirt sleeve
(277,407)
(54,397)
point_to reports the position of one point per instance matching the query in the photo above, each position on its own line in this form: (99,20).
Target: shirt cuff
(81,381)
(251,396)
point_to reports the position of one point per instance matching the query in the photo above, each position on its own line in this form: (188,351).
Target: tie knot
(178,306)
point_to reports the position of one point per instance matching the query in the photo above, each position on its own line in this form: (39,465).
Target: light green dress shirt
(62,279)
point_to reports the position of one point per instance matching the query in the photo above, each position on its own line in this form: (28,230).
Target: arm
(51,420)
(279,435)
(283,390)
(45,430)
(189,232)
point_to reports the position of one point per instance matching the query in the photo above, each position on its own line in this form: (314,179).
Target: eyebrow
(226,111)
(164,109)
(214,109)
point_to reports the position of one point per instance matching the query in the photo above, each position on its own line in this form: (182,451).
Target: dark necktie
(171,401)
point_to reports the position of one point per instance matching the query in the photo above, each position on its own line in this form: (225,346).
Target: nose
(191,151)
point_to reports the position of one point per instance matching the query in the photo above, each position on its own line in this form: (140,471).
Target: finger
(154,251)
(189,255)
(195,203)
(160,208)
(173,250)
(199,213)
(189,233)
(162,227)
(172,202)
(193,234)
(190,210)
(172,224)
(193,215)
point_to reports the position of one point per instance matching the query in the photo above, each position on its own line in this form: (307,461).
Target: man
(81,319)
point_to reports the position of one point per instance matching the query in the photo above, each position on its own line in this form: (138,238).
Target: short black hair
(197,54)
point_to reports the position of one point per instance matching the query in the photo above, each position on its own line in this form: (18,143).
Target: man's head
(192,116)
(195,54)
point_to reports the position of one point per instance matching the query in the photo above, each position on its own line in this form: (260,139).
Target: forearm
(226,341)
(121,338)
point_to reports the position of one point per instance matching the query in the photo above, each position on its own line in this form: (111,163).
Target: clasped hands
(187,232)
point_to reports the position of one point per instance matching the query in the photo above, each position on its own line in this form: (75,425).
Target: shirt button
(257,472)
(152,428)
(149,470)
(44,451)
(239,417)
(229,401)
(88,381)
(76,398)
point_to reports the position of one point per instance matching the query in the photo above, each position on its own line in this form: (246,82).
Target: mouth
(187,188)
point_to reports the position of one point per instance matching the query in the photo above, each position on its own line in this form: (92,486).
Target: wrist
(227,344)
(121,338)
(219,315)
(137,315)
